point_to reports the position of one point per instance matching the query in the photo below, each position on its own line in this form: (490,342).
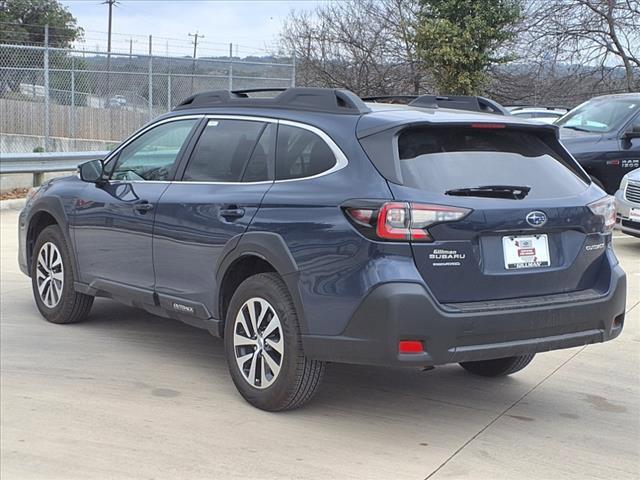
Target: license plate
(634,214)
(529,251)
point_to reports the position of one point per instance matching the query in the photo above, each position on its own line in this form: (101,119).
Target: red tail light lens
(402,221)
(605,208)
(394,221)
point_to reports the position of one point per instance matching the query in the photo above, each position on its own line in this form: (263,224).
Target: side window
(223,151)
(151,156)
(301,153)
(261,165)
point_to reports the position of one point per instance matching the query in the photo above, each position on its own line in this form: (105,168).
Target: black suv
(603,135)
(312,227)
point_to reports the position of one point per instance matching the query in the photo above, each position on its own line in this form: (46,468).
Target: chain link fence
(56,99)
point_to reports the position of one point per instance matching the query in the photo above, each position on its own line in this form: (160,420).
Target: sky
(250,25)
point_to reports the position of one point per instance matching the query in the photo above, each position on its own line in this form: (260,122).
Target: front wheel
(498,367)
(52,280)
(264,348)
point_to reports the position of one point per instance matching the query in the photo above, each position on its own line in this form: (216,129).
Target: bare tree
(365,45)
(569,50)
(565,51)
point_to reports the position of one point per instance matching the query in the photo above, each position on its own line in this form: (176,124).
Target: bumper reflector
(410,346)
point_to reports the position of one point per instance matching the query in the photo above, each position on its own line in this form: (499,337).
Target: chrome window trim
(341,158)
(248,118)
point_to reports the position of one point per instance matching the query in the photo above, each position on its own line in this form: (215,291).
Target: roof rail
(392,99)
(460,102)
(324,100)
(541,107)
(245,92)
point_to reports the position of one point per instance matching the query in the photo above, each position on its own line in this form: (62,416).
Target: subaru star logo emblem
(536,219)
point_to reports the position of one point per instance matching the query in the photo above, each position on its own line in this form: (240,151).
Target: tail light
(605,208)
(402,221)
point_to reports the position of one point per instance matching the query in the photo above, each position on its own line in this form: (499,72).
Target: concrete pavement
(129,395)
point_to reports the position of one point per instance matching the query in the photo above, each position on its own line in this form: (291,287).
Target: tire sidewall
(57,314)
(266,286)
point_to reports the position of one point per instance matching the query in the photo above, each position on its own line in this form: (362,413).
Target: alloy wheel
(258,342)
(50,275)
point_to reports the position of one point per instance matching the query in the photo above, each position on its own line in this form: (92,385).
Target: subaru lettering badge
(536,219)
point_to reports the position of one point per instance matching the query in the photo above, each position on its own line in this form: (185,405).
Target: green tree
(459,39)
(23,21)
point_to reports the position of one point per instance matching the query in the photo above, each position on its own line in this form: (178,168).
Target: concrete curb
(12,204)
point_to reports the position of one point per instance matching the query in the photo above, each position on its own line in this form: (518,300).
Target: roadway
(127,395)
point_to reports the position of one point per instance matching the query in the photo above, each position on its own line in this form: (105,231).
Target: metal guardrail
(40,163)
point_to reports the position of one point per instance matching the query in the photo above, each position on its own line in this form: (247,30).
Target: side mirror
(92,171)
(633,133)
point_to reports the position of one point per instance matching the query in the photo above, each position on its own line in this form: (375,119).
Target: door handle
(143,206)
(233,212)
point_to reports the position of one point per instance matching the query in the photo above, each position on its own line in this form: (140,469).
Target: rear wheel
(264,348)
(52,280)
(498,367)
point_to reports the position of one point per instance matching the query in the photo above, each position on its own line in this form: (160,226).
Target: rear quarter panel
(336,266)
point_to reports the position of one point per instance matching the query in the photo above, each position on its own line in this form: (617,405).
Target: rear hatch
(527,230)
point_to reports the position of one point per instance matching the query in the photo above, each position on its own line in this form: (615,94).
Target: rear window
(445,158)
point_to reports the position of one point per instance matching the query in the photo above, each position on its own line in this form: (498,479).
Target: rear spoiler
(368,126)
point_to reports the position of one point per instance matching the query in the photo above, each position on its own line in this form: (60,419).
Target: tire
(283,378)
(58,302)
(499,367)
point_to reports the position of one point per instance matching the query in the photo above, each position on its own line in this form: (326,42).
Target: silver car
(628,203)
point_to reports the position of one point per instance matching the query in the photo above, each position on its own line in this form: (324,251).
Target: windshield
(602,115)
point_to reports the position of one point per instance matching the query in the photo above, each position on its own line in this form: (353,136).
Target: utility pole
(37,178)
(111,3)
(195,51)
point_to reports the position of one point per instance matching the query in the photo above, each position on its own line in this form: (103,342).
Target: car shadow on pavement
(348,387)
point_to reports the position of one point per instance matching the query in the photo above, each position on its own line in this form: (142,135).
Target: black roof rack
(392,99)
(541,107)
(460,102)
(324,100)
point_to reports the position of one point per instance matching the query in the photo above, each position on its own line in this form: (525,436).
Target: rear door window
(437,159)
(227,150)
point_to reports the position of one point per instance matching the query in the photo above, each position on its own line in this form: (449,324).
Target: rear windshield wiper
(493,191)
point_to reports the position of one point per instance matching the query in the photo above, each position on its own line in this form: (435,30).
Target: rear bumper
(406,311)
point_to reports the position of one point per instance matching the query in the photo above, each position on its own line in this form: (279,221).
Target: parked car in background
(117,101)
(628,204)
(540,114)
(603,134)
(312,227)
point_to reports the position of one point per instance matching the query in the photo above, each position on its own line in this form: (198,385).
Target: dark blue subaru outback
(311,227)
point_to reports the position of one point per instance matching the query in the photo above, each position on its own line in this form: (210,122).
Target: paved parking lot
(130,395)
